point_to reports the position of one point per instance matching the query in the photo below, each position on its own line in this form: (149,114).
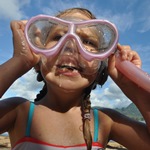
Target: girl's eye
(89,43)
(57,37)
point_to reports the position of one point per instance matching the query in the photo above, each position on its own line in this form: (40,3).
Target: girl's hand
(126,53)
(21,48)
(126,85)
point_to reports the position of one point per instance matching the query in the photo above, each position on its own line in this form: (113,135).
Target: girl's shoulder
(13,105)
(109,112)
(10,109)
(110,115)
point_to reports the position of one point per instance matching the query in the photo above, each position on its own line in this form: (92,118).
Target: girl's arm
(129,129)
(21,62)
(137,95)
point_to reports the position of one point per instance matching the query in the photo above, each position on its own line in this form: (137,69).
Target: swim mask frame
(72,25)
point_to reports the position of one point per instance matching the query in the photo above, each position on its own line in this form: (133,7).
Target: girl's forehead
(75,15)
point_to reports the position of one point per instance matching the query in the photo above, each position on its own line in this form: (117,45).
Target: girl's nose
(69,48)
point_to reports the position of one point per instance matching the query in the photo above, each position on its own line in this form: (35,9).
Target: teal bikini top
(30,115)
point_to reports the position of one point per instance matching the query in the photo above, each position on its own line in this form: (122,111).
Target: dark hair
(100,79)
(76,9)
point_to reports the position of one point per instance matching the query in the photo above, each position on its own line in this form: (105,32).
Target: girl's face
(64,70)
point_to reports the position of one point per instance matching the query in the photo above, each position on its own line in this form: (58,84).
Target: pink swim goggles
(95,39)
(88,41)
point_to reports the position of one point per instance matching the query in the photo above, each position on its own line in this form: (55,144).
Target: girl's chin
(71,80)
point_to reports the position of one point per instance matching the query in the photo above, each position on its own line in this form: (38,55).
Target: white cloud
(123,21)
(111,97)
(12,9)
(27,86)
(60,5)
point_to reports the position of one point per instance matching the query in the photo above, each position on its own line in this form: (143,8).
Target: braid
(86,107)
(43,92)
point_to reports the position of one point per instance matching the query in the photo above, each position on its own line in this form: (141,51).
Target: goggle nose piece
(69,48)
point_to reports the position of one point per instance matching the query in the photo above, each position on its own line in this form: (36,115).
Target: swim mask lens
(95,39)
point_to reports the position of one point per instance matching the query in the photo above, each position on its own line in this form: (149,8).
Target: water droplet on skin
(23,43)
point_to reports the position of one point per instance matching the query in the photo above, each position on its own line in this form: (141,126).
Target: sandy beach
(5,144)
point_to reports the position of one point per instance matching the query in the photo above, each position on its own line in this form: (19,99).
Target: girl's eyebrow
(58,28)
(90,34)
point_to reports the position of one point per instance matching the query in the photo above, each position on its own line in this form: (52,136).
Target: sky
(132,19)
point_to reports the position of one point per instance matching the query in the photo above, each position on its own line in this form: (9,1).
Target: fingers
(126,53)
(18,35)
(21,47)
(16,25)
(24,21)
(17,28)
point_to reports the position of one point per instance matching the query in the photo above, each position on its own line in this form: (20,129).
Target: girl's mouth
(68,70)
(68,65)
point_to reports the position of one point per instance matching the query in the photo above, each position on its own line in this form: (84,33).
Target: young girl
(61,117)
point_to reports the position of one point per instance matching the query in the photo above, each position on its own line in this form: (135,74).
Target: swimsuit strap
(30,115)
(96,124)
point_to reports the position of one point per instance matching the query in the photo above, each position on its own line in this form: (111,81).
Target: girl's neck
(62,101)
